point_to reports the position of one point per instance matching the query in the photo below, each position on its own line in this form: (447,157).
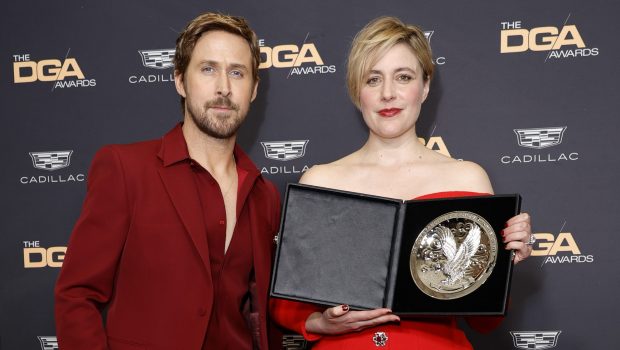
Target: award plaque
(419,257)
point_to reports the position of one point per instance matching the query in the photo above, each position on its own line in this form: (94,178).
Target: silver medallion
(453,255)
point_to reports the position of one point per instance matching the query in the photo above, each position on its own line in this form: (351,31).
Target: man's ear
(255,91)
(178,83)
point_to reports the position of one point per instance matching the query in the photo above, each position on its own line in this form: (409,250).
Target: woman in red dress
(388,76)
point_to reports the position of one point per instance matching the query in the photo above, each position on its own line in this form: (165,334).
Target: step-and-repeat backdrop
(527,89)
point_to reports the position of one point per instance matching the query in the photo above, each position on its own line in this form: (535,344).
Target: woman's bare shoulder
(315,175)
(329,174)
(468,176)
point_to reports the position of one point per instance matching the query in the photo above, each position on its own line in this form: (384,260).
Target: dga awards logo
(48,342)
(300,60)
(36,257)
(436,144)
(535,339)
(557,42)
(559,249)
(539,139)
(51,161)
(284,151)
(160,59)
(62,73)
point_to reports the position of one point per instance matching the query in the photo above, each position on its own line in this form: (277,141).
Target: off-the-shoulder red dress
(426,333)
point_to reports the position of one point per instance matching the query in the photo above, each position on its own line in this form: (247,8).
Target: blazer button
(202,311)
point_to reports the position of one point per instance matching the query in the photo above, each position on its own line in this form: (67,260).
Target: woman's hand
(340,319)
(518,236)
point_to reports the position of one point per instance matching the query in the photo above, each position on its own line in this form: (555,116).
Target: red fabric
(230,271)
(420,333)
(140,250)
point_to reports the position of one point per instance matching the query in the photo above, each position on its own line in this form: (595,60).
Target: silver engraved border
(487,229)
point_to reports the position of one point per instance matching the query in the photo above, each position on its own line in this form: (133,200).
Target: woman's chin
(393,133)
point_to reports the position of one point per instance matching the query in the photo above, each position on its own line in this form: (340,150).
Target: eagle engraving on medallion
(453,255)
(457,259)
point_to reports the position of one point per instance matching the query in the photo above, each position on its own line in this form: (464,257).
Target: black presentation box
(337,247)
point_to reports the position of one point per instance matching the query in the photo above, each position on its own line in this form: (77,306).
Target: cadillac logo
(540,137)
(51,160)
(535,340)
(158,59)
(285,150)
(293,342)
(428,34)
(48,343)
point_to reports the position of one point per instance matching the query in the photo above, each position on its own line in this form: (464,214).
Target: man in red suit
(175,236)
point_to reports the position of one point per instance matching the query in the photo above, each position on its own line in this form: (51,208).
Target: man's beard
(220,125)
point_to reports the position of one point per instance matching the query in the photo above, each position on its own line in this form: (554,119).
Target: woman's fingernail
(345,308)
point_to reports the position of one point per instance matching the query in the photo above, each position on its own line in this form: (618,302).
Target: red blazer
(140,249)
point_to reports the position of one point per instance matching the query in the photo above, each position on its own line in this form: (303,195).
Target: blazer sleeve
(86,280)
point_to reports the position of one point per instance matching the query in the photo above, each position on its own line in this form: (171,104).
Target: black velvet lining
(335,248)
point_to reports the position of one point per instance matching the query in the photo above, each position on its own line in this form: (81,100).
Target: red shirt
(231,271)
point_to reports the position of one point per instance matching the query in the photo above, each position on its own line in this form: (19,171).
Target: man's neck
(213,154)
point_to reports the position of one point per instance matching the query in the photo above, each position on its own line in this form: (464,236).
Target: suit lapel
(261,253)
(180,185)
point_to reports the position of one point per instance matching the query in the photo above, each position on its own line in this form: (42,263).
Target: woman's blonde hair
(374,40)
